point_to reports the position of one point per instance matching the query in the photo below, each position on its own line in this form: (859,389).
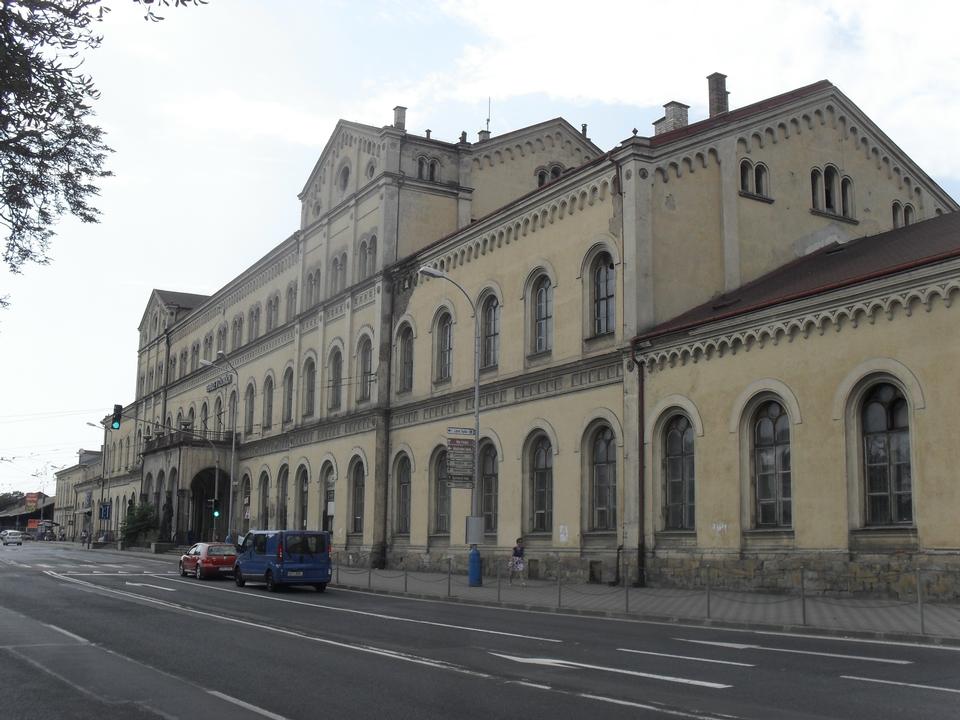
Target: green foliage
(141,521)
(8,499)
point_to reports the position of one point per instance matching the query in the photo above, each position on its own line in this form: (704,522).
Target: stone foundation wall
(886,575)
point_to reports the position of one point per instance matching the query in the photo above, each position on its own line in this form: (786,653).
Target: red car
(208,560)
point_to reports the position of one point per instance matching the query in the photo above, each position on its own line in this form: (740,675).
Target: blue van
(284,557)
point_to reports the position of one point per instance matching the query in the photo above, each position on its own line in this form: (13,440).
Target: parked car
(13,537)
(208,560)
(284,557)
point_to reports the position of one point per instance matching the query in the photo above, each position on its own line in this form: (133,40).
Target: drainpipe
(641,471)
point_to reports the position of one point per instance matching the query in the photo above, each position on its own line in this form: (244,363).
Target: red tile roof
(832,267)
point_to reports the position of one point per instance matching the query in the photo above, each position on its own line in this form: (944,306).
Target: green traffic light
(115,425)
(216,513)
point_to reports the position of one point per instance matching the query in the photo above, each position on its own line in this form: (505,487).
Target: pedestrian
(516,562)
(83,538)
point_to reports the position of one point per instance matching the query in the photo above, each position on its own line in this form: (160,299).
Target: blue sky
(218,114)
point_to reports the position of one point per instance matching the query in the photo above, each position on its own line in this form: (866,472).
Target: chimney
(583,129)
(717,91)
(674,116)
(483,135)
(428,133)
(400,117)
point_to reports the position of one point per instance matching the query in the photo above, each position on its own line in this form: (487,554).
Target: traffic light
(216,508)
(117,415)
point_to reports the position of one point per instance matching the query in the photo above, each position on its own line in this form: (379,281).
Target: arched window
(303,496)
(887,471)
(264,515)
(745,173)
(309,387)
(288,395)
(366,370)
(282,477)
(542,315)
(490,331)
(362,261)
(328,483)
(218,413)
(335,276)
(403,495)
(372,255)
(907,215)
(541,178)
(760,184)
(405,381)
(444,347)
(291,302)
(441,496)
(308,297)
(421,169)
(336,379)
(203,418)
(253,324)
(356,498)
(846,197)
(489,487)
(679,476)
(434,170)
(237,331)
(232,418)
(541,486)
(897,215)
(831,187)
(344,179)
(221,339)
(816,189)
(603,481)
(248,410)
(268,403)
(604,295)
(771,466)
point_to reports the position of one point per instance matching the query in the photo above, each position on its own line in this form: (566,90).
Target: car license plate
(295,573)
(226,568)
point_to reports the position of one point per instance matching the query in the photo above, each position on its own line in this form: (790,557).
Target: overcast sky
(218,114)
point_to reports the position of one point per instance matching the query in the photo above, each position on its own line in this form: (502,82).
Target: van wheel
(238,577)
(320,587)
(271,585)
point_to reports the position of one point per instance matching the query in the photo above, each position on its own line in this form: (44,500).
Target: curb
(811,630)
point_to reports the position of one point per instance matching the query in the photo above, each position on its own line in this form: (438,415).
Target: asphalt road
(101,634)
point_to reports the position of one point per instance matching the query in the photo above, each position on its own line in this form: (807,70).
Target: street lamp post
(474,526)
(233,440)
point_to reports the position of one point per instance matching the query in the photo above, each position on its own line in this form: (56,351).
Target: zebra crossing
(63,567)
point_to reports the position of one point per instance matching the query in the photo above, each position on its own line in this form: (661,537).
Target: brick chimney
(717,91)
(674,116)
(400,117)
(483,135)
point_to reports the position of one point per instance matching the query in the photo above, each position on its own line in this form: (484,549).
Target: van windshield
(306,544)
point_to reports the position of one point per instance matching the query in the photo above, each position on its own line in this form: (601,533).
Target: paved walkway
(872,617)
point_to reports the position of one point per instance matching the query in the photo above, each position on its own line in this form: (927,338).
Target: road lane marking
(67,633)
(865,641)
(686,657)
(569,664)
(247,706)
(743,646)
(366,613)
(643,706)
(371,649)
(158,587)
(904,684)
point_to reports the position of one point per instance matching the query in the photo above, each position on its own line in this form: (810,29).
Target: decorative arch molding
(365,331)
(264,468)
(490,287)
(336,343)
(681,402)
(489,434)
(445,305)
(357,453)
(878,366)
(328,458)
(539,266)
(597,416)
(403,449)
(602,243)
(405,319)
(540,425)
(309,354)
(770,385)
(302,462)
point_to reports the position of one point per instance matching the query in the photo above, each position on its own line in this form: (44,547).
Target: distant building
(684,342)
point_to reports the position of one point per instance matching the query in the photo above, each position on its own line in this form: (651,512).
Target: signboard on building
(30,501)
(460,442)
(224,379)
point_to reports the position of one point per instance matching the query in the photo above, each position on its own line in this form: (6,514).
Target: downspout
(641,473)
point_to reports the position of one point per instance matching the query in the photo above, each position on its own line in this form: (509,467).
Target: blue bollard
(475,568)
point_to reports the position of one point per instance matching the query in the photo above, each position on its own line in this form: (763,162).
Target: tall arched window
(542,315)
(308,293)
(888,478)
(679,476)
(303,496)
(309,387)
(288,395)
(897,214)
(846,197)
(403,495)
(232,417)
(816,189)
(218,414)
(248,410)
(907,215)
(421,169)
(444,343)
(372,255)
(541,486)
(490,331)
(335,276)
(771,466)
(604,295)
(745,171)
(831,189)
(405,381)
(336,379)
(268,402)
(264,514)
(365,356)
(603,481)
(441,496)
(489,487)
(291,302)
(328,483)
(357,498)
(362,261)
(342,281)
(282,480)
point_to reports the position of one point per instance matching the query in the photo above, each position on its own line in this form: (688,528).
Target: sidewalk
(879,618)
